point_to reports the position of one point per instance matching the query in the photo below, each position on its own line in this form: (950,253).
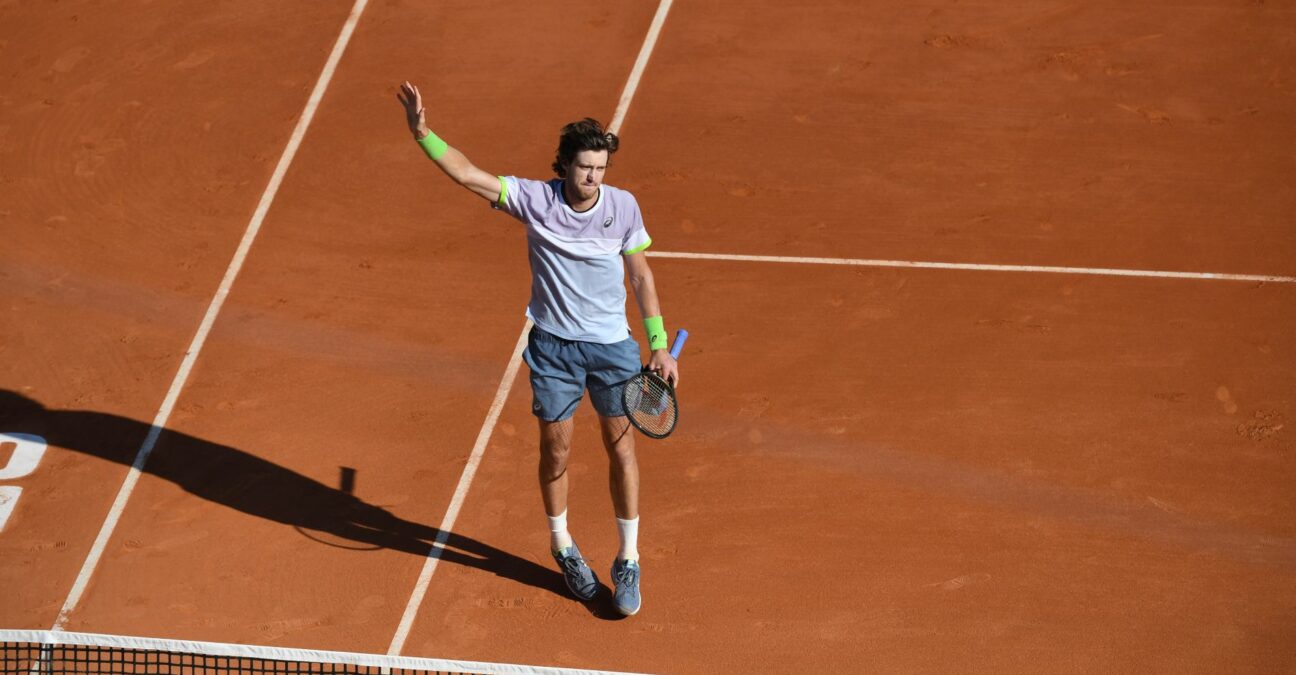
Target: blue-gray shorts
(561,371)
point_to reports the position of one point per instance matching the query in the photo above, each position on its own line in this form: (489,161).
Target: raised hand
(409,98)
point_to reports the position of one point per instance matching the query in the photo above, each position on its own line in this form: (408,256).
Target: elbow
(458,175)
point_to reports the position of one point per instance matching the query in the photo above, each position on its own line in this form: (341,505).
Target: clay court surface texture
(969,386)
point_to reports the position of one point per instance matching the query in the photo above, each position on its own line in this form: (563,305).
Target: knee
(622,454)
(553,462)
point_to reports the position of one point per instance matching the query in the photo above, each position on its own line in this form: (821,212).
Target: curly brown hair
(576,137)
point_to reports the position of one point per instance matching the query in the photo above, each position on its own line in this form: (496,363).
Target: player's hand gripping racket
(650,401)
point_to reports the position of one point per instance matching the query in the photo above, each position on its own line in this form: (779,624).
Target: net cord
(53,638)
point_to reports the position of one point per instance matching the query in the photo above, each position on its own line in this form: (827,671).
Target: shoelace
(627,575)
(573,564)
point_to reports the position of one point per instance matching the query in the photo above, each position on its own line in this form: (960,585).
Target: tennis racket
(650,401)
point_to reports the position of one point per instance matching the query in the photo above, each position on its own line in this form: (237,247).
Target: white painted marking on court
(510,373)
(28,449)
(461,493)
(168,404)
(51,639)
(976,267)
(9,495)
(632,83)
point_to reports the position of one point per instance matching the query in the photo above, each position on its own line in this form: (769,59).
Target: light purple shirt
(577,275)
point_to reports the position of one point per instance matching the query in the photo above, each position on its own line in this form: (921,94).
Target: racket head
(650,404)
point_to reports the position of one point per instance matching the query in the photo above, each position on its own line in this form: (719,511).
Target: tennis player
(578,232)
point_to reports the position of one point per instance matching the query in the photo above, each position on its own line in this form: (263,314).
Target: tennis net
(49,652)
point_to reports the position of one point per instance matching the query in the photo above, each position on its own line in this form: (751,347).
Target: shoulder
(625,214)
(551,189)
(620,193)
(531,184)
(532,191)
(619,197)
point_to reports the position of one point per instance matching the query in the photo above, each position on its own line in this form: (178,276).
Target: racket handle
(681,336)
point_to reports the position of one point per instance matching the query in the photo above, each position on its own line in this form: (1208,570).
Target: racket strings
(650,403)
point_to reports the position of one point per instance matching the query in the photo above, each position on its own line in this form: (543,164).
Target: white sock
(558,536)
(629,531)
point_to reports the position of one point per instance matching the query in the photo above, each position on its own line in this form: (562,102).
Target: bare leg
(555,448)
(623,467)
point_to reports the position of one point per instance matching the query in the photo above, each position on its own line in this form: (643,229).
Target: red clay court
(992,311)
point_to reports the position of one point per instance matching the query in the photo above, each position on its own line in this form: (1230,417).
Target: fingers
(668,372)
(412,101)
(409,97)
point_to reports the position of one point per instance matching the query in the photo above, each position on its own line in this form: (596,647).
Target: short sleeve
(636,238)
(508,193)
(519,197)
(503,198)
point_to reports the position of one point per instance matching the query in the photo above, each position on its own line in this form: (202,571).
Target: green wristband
(433,146)
(656,331)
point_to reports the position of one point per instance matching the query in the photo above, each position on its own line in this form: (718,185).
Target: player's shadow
(261,488)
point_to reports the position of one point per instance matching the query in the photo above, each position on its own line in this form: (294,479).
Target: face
(585,173)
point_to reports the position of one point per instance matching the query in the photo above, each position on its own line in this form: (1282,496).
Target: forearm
(661,361)
(453,162)
(645,292)
(457,166)
(646,295)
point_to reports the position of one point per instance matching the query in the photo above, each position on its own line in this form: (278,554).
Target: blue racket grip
(681,336)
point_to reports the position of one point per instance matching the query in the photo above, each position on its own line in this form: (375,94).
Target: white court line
(975,267)
(326,661)
(510,373)
(164,413)
(632,83)
(461,492)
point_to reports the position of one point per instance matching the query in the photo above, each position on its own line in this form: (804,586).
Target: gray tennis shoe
(625,577)
(578,575)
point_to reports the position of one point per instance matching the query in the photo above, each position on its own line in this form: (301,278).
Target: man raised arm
(582,238)
(452,162)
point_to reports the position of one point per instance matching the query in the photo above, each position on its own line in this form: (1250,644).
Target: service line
(860,262)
